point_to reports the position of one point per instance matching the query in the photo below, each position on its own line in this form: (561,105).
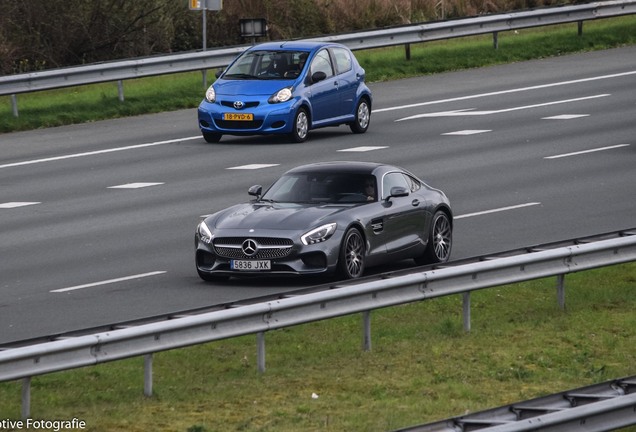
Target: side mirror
(398,191)
(318,76)
(218,72)
(255,190)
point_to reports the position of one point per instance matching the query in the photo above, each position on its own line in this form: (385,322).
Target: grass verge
(167,93)
(423,367)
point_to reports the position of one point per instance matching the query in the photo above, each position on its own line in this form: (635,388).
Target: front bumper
(294,258)
(267,119)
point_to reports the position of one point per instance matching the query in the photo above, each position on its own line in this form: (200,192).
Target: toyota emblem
(239,105)
(249,247)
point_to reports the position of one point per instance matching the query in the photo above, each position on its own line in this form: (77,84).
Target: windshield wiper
(240,76)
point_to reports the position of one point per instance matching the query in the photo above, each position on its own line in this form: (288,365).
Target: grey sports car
(326,218)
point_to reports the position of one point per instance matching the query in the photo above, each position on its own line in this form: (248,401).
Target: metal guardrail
(28,361)
(402,35)
(599,407)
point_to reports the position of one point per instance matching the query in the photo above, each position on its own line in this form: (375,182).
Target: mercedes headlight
(319,234)
(282,95)
(204,233)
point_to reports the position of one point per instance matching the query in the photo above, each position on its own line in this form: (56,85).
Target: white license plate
(251,265)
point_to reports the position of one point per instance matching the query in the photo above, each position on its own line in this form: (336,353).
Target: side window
(392,180)
(413,183)
(343,60)
(322,63)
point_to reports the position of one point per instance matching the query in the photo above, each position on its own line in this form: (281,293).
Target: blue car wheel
(300,129)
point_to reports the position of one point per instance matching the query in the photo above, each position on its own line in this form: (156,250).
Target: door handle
(415,203)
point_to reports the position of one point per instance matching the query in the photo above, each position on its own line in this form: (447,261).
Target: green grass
(422,367)
(179,91)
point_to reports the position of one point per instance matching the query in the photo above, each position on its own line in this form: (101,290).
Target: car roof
(294,45)
(353,167)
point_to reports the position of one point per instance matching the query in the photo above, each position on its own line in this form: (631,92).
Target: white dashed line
(586,151)
(566,117)
(107,282)
(252,166)
(363,149)
(497,210)
(9,205)
(468,132)
(134,185)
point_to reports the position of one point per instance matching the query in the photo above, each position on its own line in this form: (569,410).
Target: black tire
(363,117)
(440,240)
(300,129)
(211,137)
(351,258)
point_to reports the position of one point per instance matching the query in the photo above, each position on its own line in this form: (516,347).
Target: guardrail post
(366,330)
(14,105)
(120,90)
(148,375)
(260,351)
(26,398)
(495,40)
(407,51)
(580,27)
(561,290)
(466,310)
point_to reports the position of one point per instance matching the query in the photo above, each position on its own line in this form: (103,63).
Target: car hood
(278,216)
(250,87)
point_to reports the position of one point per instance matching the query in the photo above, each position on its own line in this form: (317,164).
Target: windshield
(323,188)
(267,65)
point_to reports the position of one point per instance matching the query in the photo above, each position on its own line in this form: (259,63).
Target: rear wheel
(363,117)
(301,126)
(440,240)
(351,259)
(211,137)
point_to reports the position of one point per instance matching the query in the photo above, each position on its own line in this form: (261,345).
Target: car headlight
(282,95)
(319,234)
(210,94)
(204,233)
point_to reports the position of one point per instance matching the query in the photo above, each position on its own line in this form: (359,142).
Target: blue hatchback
(287,88)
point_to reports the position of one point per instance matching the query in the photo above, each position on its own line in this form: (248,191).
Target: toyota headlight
(210,94)
(282,95)
(319,234)
(204,233)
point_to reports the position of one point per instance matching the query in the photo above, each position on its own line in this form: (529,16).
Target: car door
(347,81)
(404,216)
(324,94)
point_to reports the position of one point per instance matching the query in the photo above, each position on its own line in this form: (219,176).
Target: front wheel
(363,117)
(300,130)
(351,259)
(440,240)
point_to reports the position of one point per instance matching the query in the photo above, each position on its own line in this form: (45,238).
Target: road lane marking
(502,92)
(252,166)
(15,204)
(134,185)
(501,209)
(97,152)
(363,149)
(108,282)
(586,151)
(565,117)
(471,112)
(468,132)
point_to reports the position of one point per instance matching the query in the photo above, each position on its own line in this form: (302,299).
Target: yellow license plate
(238,117)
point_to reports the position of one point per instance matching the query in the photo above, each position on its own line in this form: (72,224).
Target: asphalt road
(97,220)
